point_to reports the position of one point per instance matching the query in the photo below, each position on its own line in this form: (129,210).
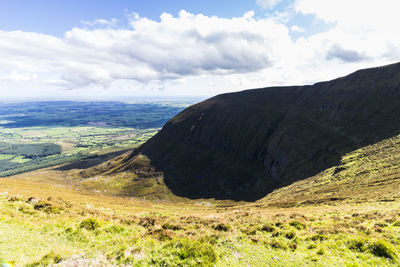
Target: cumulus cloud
(365,27)
(246,51)
(297,29)
(355,13)
(338,52)
(15,76)
(101,22)
(174,47)
(267,4)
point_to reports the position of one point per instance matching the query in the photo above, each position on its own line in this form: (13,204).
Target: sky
(127,49)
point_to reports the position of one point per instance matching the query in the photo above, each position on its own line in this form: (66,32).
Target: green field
(19,145)
(42,134)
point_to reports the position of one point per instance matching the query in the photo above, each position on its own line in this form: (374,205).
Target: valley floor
(49,220)
(347,215)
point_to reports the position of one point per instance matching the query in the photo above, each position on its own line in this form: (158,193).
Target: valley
(262,133)
(349,217)
(74,130)
(48,219)
(267,177)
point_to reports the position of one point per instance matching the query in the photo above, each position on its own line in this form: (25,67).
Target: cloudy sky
(122,49)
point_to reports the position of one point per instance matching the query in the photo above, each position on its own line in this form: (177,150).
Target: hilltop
(243,145)
(323,161)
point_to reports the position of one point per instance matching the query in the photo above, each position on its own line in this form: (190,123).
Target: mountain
(244,145)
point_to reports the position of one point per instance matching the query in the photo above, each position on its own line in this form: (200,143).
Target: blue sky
(57,17)
(129,48)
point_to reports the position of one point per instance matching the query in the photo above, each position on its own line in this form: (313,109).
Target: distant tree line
(31,151)
(41,163)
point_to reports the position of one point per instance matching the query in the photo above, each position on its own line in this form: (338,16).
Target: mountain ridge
(243,145)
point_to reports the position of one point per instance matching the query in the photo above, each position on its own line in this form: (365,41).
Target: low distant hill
(244,145)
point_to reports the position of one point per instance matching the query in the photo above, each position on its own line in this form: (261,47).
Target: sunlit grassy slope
(345,215)
(368,174)
(67,227)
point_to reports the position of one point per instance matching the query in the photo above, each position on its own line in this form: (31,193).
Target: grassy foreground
(47,224)
(348,215)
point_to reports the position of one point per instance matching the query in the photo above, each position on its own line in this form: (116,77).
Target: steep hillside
(244,145)
(367,175)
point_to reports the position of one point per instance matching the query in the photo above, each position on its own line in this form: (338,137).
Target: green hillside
(244,145)
(367,175)
(323,162)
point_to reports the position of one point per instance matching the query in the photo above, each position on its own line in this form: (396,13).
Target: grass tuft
(168,226)
(357,245)
(382,249)
(321,251)
(268,228)
(162,234)
(290,235)
(297,225)
(184,252)
(47,260)
(318,237)
(222,227)
(147,222)
(378,248)
(278,245)
(89,224)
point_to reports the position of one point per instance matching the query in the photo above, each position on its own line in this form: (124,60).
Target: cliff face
(243,145)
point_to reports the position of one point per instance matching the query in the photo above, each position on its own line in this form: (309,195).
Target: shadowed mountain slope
(243,145)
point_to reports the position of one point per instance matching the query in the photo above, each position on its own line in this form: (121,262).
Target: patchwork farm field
(42,134)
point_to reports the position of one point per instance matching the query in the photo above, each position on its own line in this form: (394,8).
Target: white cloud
(297,29)
(355,13)
(101,22)
(15,76)
(268,4)
(210,54)
(174,47)
(337,52)
(366,27)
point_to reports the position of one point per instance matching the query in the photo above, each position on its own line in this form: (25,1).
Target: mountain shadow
(90,161)
(243,145)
